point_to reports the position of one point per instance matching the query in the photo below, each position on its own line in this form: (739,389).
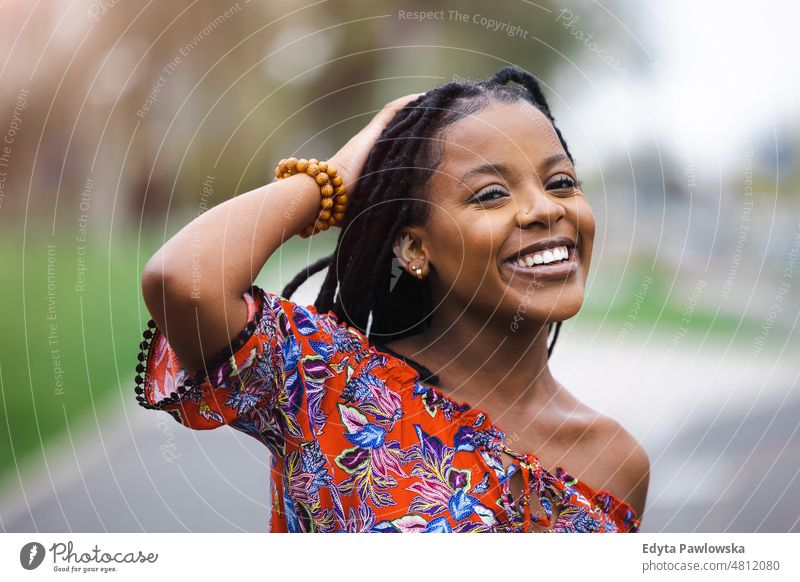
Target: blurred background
(121,121)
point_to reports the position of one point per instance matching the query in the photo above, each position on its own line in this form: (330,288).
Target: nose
(539,208)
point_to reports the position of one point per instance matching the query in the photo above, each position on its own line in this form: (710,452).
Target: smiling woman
(472,190)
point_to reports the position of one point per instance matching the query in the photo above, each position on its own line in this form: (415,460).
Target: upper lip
(548,243)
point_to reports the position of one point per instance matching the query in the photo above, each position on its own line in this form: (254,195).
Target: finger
(401,102)
(392,107)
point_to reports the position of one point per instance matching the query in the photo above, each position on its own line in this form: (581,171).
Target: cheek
(585,219)
(465,246)
(586,225)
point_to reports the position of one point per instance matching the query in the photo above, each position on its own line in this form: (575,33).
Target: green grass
(664,310)
(64,349)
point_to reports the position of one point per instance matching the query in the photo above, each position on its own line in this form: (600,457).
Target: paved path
(142,471)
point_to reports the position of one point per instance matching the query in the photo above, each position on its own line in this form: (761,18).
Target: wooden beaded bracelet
(334,193)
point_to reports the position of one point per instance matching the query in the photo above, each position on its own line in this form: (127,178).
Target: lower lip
(553,272)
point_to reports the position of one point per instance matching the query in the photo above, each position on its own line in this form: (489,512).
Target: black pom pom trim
(144,348)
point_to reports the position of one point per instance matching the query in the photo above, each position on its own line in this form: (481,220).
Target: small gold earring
(418,271)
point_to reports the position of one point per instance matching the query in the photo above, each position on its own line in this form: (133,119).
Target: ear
(410,246)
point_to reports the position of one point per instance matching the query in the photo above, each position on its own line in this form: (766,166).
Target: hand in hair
(193,284)
(350,159)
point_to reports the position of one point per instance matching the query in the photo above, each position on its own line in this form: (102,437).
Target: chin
(548,304)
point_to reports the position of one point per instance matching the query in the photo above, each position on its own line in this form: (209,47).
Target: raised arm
(193,285)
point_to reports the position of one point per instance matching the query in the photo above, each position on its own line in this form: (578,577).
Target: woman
(465,238)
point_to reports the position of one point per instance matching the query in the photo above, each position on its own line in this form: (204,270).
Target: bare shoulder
(614,460)
(628,463)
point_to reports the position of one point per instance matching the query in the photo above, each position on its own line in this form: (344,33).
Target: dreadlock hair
(359,287)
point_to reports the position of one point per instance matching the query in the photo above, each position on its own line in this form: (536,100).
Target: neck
(481,358)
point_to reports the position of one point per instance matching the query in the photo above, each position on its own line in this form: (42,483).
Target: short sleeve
(271,373)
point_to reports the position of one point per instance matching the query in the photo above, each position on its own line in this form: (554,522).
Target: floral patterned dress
(358,442)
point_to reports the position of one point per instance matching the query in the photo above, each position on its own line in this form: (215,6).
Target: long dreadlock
(359,286)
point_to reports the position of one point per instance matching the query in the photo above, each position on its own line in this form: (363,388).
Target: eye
(563,182)
(489,195)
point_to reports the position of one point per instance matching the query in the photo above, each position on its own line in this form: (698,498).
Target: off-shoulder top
(358,442)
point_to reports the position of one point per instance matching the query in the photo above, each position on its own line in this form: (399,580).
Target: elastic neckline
(428,376)
(466,415)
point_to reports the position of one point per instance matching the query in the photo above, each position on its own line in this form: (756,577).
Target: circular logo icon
(31,555)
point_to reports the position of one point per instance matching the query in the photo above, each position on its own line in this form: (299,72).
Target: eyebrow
(504,170)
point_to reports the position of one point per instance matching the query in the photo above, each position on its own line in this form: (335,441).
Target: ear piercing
(418,271)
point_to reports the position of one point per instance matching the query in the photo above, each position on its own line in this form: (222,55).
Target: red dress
(358,442)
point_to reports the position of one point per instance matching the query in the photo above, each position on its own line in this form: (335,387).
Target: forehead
(515,133)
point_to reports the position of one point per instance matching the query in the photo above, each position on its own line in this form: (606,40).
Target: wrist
(333,192)
(343,171)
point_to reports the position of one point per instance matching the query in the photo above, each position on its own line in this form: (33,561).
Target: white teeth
(544,257)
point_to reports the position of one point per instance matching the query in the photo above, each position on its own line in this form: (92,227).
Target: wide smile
(556,270)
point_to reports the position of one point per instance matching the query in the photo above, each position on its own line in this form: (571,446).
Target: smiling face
(475,248)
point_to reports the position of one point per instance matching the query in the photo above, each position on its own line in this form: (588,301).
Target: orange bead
(325,214)
(337,181)
(332,172)
(278,172)
(324,226)
(327,203)
(323,166)
(339,207)
(312,169)
(332,221)
(282,162)
(291,163)
(301,165)
(339,216)
(322,178)
(327,190)
(314,161)
(341,199)
(340,190)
